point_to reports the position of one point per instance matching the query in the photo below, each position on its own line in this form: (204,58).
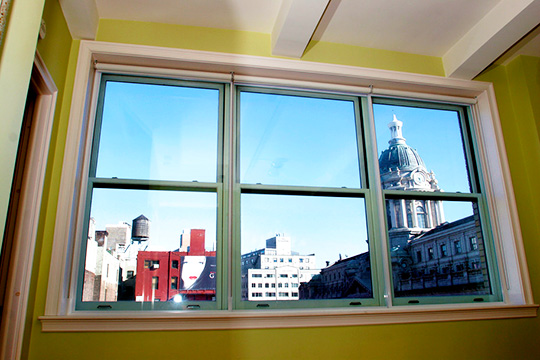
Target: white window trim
(135,59)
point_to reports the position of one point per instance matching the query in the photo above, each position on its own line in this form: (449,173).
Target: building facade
(275,272)
(186,275)
(429,256)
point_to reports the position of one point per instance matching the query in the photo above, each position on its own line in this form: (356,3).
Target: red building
(163,274)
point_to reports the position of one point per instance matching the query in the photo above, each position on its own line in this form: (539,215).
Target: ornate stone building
(429,256)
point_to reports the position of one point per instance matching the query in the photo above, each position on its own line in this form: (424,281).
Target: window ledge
(246,319)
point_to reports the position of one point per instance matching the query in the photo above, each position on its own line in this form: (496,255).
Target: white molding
(18,283)
(501,28)
(217,320)
(286,69)
(505,223)
(58,286)
(60,313)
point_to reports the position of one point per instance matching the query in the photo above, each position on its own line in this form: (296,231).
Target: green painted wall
(59,52)
(251,43)
(496,339)
(517,87)
(15,68)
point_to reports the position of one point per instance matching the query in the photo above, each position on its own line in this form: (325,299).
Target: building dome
(400,156)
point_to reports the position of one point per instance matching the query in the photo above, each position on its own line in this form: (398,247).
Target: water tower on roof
(140,231)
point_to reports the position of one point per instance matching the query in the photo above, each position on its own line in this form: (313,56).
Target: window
(444,250)
(174,264)
(155,283)
(269,154)
(457,246)
(174,283)
(421,217)
(473,243)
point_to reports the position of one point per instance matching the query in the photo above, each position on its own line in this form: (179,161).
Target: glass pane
(302,247)
(293,140)
(420,149)
(158,132)
(151,246)
(436,248)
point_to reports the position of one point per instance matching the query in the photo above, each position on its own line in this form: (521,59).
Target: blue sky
(285,140)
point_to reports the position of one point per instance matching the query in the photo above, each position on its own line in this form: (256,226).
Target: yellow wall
(517,87)
(496,339)
(16,61)
(250,43)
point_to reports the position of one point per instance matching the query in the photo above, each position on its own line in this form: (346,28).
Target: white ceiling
(467,34)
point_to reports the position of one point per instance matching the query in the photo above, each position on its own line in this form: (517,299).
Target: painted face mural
(198,273)
(192,268)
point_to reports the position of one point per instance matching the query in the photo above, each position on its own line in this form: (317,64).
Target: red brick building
(163,274)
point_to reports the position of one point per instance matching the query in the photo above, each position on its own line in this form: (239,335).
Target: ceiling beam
(295,25)
(82,18)
(495,33)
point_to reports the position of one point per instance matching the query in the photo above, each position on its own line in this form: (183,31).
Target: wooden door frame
(24,239)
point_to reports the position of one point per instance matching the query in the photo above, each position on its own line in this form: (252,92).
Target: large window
(303,194)
(241,199)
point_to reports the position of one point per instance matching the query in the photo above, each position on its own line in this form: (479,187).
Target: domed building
(429,256)
(402,168)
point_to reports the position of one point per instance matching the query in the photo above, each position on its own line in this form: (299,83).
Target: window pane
(145,238)
(158,132)
(437,257)
(325,238)
(293,140)
(420,149)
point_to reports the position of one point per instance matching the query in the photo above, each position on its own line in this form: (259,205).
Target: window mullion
(377,207)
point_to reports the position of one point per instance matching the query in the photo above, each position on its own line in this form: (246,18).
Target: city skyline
(186,124)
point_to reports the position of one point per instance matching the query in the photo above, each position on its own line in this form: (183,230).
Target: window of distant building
(473,242)
(457,246)
(421,217)
(155,283)
(444,250)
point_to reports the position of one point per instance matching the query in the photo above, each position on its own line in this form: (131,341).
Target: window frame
(180,186)
(59,311)
(362,191)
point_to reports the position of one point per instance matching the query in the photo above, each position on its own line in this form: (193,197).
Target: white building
(275,272)
(119,244)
